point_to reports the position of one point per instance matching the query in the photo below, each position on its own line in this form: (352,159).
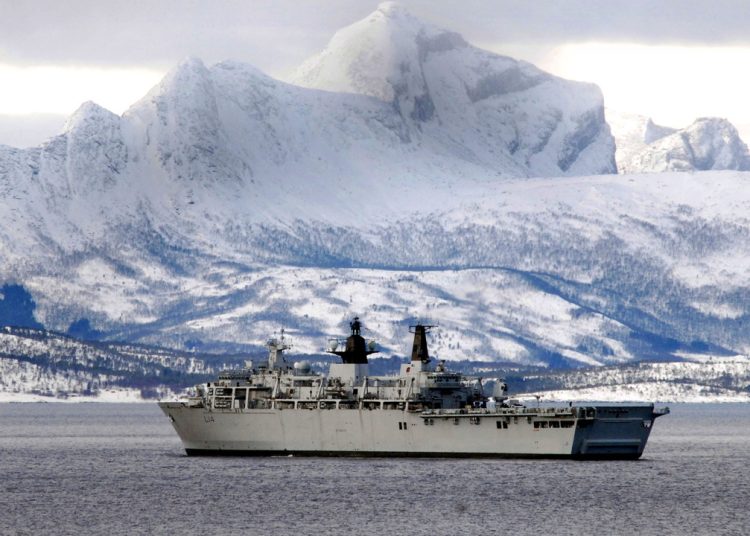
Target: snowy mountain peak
(188,80)
(402,24)
(383,56)
(394,10)
(377,56)
(709,143)
(87,114)
(716,144)
(190,67)
(494,107)
(179,122)
(83,161)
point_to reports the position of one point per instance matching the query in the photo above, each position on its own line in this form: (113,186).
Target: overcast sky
(671,59)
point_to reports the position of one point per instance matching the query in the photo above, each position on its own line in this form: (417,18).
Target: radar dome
(302,367)
(499,391)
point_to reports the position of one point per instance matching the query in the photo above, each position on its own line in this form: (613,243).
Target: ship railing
(219,402)
(325,403)
(525,411)
(396,404)
(235,374)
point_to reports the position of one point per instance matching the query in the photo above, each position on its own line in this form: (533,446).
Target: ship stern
(613,432)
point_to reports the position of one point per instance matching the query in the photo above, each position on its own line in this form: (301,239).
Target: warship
(278,408)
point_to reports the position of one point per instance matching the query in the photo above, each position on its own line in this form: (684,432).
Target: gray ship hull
(592,432)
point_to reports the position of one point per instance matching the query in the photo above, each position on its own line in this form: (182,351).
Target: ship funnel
(419,349)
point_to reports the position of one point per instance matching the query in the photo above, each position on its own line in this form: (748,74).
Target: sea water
(120,469)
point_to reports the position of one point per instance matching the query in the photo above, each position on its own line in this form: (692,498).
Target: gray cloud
(276,35)
(643,21)
(158,34)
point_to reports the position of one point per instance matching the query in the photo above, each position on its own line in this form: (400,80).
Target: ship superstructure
(278,408)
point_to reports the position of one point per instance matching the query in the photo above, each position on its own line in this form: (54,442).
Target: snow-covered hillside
(557,271)
(40,365)
(702,380)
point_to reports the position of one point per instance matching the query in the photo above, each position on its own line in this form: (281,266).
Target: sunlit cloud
(61,89)
(671,84)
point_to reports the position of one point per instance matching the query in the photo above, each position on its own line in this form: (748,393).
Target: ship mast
(276,349)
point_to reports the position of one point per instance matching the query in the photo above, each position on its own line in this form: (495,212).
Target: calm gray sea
(119,469)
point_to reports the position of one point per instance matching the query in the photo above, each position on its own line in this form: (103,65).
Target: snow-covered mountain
(395,185)
(211,151)
(455,98)
(707,144)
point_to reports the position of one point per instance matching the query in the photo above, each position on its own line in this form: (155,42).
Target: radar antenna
(276,349)
(356,349)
